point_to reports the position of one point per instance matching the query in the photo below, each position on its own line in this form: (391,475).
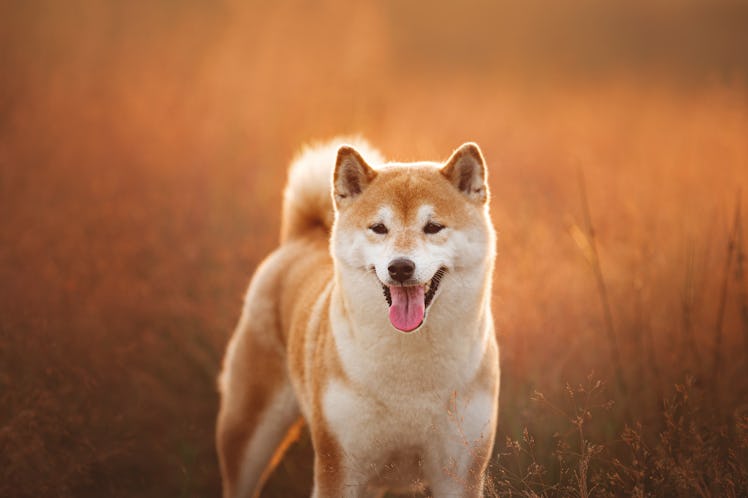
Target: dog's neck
(449,344)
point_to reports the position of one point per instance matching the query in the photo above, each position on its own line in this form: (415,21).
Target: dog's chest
(390,440)
(395,397)
(384,428)
(404,399)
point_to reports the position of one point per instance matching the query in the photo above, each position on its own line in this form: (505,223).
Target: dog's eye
(432,227)
(379,228)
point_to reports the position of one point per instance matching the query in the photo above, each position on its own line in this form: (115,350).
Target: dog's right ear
(466,170)
(352,175)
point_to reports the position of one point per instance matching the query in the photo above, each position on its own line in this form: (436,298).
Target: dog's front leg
(330,482)
(461,476)
(457,459)
(335,474)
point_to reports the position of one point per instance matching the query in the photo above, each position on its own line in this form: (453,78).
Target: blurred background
(143,149)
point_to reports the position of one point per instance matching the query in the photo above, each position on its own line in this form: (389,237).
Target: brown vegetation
(143,150)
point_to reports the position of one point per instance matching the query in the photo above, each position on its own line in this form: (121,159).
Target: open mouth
(408,303)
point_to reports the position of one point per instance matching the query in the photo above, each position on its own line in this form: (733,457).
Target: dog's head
(412,229)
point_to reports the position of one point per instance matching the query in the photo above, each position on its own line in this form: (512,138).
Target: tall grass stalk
(594,261)
(688,305)
(741,278)
(718,334)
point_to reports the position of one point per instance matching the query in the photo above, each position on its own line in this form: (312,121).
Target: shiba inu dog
(372,323)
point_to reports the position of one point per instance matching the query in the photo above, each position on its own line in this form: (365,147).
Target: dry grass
(142,154)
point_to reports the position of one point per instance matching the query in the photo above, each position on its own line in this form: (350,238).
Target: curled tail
(307,199)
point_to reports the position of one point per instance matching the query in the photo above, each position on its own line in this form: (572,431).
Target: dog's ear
(352,175)
(466,170)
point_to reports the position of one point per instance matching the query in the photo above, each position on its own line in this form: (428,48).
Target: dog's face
(410,230)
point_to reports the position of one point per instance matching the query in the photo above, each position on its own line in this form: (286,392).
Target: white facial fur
(363,251)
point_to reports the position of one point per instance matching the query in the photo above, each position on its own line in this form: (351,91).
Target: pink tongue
(406,312)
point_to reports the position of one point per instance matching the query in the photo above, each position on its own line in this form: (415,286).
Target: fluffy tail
(307,199)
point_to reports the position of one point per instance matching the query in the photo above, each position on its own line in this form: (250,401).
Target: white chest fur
(410,440)
(411,407)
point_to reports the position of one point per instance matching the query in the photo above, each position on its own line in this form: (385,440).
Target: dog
(371,323)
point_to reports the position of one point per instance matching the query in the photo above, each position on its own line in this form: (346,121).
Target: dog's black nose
(401,269)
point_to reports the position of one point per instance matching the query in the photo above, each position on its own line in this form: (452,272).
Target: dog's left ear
(352,175)
(466,170)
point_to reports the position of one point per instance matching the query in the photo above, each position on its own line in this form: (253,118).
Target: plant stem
(731,243)
(602,289)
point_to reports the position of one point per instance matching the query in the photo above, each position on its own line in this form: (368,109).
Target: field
(143,149)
